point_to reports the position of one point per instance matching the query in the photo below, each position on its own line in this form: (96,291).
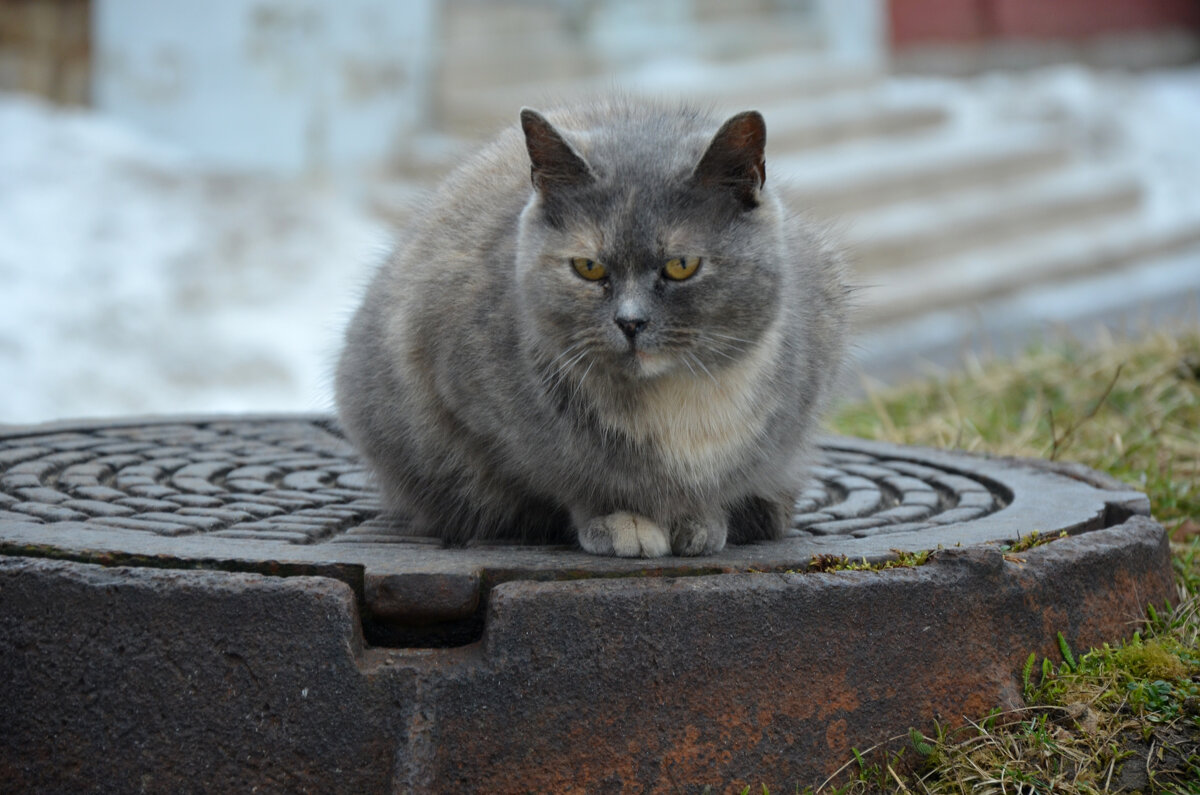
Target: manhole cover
(565,633)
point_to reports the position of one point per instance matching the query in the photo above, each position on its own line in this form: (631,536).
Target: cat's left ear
(735,160)
(553,161)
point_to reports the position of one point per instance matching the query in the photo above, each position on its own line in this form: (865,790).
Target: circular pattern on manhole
(289,494)
(298,482)
(860,494)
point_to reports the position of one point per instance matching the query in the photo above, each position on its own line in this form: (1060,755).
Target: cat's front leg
(699,535)
(623,534)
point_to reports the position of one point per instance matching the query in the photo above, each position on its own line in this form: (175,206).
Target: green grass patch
(1028,542)
(1121,718)
(899,560)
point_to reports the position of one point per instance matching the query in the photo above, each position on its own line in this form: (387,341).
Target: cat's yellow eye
(681,268)
(588,268)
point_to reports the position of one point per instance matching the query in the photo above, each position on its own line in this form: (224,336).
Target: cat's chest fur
(702,425)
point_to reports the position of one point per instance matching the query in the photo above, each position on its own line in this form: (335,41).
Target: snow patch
(134,282)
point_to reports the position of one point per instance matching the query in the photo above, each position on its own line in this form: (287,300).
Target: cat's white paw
(625,535)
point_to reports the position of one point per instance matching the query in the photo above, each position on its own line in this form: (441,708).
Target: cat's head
(648,245)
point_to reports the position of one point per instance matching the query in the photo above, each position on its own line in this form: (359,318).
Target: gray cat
(603,327)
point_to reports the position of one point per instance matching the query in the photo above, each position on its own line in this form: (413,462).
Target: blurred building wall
(918,22)
(289,86)
(343,86)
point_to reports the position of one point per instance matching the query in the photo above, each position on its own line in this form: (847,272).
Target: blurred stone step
(473,110)
(505,42)
(914,233)
(1025,262)
(1154,292)
(749,83)
(428,157)
(499,43)
(863,176)
(877,112)
(735,37)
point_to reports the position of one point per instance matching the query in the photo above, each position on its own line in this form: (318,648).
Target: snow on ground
(132,282)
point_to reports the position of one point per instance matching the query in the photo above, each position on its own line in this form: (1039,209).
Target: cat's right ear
(554,163)
(734,161)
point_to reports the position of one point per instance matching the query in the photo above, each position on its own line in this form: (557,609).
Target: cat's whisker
(680,337)
(582,378)
(551,375)
(728,337)
(559,375)
(701,365)
(725,340)
(572,347)
(725,352)
(567,367)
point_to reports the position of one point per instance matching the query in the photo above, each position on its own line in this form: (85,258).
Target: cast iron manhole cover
(290,494)
(221,613)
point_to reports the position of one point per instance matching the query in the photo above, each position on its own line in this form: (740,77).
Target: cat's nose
(631,324)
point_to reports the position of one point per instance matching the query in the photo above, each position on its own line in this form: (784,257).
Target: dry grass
(1120,718)
(1131,409)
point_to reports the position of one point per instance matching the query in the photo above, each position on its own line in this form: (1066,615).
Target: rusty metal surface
(338,654)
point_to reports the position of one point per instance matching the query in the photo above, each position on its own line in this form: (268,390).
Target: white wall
(855,30)
(290,86)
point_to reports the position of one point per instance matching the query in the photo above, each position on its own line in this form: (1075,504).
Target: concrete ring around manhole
(231,582)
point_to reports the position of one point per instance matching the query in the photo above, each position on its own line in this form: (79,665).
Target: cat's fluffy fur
(496,393)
